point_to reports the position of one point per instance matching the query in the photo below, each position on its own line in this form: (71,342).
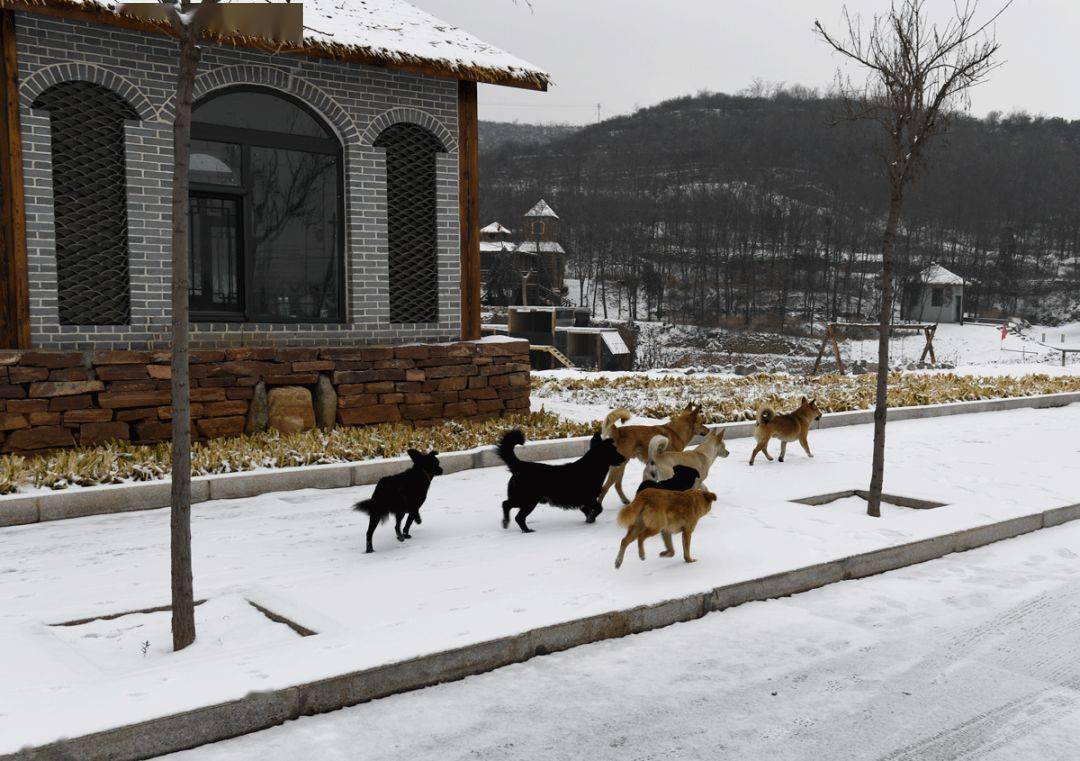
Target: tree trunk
(881,402)
(183,600)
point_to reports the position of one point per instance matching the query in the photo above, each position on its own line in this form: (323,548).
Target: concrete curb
(18,509)
(257,711)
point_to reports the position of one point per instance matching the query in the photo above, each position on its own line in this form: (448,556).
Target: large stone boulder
(258,414)
(291,409)
(326,403)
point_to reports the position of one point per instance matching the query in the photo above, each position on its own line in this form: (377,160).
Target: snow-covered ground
(972,656)
(462,578)
(972,346)
(975,350)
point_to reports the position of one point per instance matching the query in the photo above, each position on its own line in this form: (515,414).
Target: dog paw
(406,536)
(401,538)
(667,554)
(525,530)
(690,560)
(506,524)
(369,551)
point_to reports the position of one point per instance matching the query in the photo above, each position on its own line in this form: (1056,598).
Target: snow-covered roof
(390,32)
(546,247)
(495,228)
(497,246)
(541,210)
(935,274)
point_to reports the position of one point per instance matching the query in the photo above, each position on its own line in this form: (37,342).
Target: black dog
(684,478)
(575,485)
(401,495)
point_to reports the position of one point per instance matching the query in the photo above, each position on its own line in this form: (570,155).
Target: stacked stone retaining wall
(55,399)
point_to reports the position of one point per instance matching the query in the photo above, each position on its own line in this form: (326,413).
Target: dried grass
(735,399)
(123,461)
(725,400)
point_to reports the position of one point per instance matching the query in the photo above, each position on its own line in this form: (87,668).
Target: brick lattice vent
(52,399)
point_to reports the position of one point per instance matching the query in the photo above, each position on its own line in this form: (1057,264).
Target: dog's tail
(657,445)
(764,415)
(629,514)
(509,440)
(621,415)
(368,506)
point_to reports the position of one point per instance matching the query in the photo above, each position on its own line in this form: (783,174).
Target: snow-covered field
(462,578)
(972,656)
(974,350)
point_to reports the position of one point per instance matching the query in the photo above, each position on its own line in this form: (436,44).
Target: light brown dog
(662,461)
(633,440)
(658,511)
(791,426)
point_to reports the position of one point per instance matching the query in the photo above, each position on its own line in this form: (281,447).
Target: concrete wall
(356,101)
(923,309)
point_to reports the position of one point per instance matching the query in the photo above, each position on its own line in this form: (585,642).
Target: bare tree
(917,74)
(188,21)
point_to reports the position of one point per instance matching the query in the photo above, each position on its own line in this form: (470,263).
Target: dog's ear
(596,440)
(813,402)
(433,453)
(803,400)
(414,455)
(709,496)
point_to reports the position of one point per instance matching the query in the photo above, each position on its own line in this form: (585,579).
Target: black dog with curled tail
(401,495)
(573,486)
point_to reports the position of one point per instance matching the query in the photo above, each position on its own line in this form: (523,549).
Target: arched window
(412,222)
(266,211)
(89,202)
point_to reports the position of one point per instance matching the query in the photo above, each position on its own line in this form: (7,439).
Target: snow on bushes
(728,399)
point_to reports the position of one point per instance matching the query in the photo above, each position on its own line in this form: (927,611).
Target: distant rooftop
(546,247)
(500,246)
(935,274)
(495,228)
(541,210)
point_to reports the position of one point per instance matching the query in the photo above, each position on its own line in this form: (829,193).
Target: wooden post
(836,351)
(469,202)
(821,351)
(929,348)
(14,282)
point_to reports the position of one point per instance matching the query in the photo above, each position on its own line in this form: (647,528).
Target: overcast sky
(629,53)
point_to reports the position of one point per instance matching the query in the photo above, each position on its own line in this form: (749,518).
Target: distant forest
(497,134)
(718,208)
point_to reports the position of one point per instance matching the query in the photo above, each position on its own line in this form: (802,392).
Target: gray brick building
(333,186)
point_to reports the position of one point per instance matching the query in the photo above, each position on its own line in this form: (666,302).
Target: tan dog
(658,511)
(661,463)
(789,427)
(633,440)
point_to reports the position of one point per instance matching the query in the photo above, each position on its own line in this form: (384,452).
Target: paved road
(974,656)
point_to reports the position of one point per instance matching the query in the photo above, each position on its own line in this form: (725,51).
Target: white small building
(936,295)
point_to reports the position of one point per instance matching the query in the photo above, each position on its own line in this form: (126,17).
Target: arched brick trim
(275,79)
(44,78)
(409,116)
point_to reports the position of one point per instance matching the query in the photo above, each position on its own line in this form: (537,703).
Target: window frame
(246,138)
(211,315)
(937,296)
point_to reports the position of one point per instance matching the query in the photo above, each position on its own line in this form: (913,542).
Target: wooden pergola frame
(928,329)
